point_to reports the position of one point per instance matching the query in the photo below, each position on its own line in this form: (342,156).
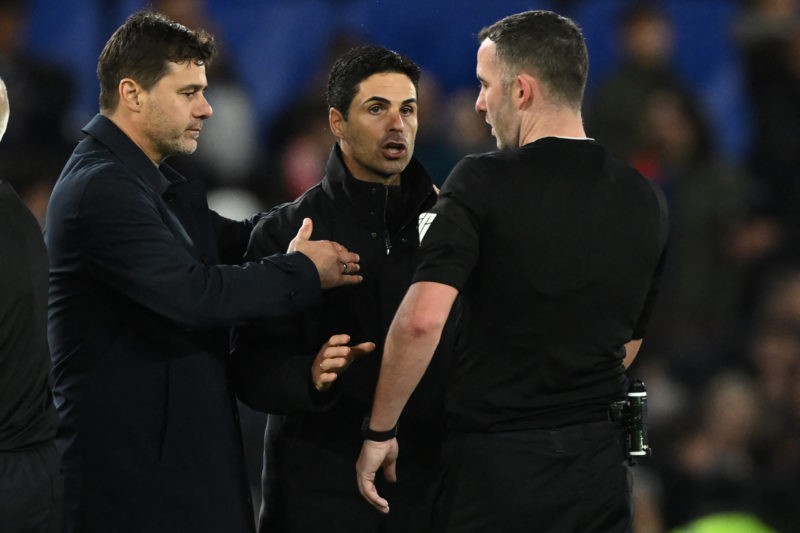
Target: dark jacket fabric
(140,301)
(311,452)
(27,415)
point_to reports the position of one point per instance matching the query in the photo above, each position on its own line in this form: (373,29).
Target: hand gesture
(375,455)
(333,358)
(335,264)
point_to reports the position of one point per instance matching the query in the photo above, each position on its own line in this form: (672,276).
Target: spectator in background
(768,35)
(775,352)
(34,150)
(30,481)
(711,468)
(645,40)
(700,305)
(452,128)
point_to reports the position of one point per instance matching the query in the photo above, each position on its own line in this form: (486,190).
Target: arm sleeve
(450,232)
(128,245)
(232,237)
(640,329)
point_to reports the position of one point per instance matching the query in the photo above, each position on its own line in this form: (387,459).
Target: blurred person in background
(768,36)
(30,481)
(645,38)
(145,281)
(711,468)
(369,199)
(456,130)
(699,313)
(34,150)
(775,352)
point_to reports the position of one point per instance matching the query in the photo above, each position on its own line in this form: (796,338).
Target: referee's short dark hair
(360,63)
(546,45)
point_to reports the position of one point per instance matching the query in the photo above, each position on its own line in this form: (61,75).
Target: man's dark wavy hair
(142,48)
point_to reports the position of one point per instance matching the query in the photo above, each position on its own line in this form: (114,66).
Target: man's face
(377,139)
(494,98)
(173,111)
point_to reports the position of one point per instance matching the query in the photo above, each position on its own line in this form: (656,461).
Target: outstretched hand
(375,455)
(335,264)
(333,358)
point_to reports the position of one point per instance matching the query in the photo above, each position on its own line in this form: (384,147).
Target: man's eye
(375,109)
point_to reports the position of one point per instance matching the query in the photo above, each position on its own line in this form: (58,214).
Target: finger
(332,352)
(348,257)
(338,339)
(351,268)
(361,349)
(370,493)
(350,279)
(390,472)
(327,378)
(304,233)
(333,363)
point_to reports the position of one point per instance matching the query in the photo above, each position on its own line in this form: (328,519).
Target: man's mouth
(394,149)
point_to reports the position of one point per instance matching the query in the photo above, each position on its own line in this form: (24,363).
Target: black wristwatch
(377,436)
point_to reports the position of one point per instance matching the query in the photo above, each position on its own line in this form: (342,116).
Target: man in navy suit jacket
(144,282)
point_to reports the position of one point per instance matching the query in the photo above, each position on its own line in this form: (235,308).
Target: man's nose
(396,121)
(204,109)
(480,102)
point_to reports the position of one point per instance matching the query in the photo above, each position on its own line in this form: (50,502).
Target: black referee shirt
(557,250)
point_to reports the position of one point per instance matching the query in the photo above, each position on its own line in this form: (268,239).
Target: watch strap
(377,436)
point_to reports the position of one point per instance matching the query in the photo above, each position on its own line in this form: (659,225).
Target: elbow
(421,325)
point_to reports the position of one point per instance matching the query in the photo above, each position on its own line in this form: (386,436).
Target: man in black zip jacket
(369,200)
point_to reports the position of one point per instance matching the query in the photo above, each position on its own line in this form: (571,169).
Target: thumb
(304,233)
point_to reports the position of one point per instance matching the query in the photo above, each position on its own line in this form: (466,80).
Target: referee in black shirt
(557,249)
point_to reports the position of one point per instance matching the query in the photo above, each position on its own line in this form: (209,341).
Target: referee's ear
(525,90)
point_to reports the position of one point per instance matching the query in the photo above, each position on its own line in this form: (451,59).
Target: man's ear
(130,94)
(525,90)
(336,122)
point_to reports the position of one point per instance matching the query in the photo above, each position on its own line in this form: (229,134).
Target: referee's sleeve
(449,232)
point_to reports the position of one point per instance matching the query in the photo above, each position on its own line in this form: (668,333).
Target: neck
(129,128)
(551,121)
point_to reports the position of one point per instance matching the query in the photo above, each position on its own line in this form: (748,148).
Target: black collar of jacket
(109,134)
(415,181)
